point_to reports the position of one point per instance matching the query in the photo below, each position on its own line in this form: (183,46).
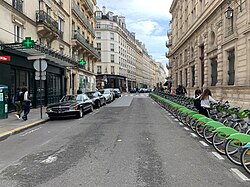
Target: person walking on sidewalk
(19,102)
(26,103)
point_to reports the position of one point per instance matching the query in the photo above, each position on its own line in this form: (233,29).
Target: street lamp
(229,13)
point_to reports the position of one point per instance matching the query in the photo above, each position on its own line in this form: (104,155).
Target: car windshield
(106,91)
(68,98)
(90,94)
(81,97)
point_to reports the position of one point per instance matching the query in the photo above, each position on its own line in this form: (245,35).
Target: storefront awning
(34,52)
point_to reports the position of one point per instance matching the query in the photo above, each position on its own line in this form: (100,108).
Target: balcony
(80,40)
(169,32)
(169,43)
(46,24)
(18,5)
(89,6)
(79,14)
(167,54)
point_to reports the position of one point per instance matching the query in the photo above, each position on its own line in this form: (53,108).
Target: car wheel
(91,108)
(98,104)
(80,114)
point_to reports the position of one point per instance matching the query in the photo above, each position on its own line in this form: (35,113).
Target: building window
(98,15)
(98,35)
(93,68)
(180,77)
(18,33)
(112,47)
(99,69)
(193,75)
(231,70)
(60,27)
(112,57)
(214,71)
(112,69)
(98,46)
(111,36)
(98,25)
(18,5)
(186,77)
(60,2)
(229,26)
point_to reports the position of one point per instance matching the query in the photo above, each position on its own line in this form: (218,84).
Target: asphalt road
(131,142)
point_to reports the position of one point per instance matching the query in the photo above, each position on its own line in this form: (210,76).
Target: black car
(117,92)
(97,98)
(70,105)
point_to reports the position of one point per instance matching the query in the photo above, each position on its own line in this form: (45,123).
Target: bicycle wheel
(245,159)
(208,134)
(218,142)
(199,129)
(192,124)
(232,150)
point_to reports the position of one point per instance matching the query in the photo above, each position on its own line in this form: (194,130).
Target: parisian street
(129,142)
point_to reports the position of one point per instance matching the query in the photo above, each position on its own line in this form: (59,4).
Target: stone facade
(209,50)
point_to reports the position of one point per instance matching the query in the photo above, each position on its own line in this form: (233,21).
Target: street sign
(43,78)
(37,65)
(4,58)
(43,73)
(36,57)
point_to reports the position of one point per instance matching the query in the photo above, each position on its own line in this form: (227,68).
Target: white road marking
(241,175)
(218,155)
(176,119)
(180,123)
(194,135)
(187,129)
(119,140)
(30,131)
(203,143)
(49,160)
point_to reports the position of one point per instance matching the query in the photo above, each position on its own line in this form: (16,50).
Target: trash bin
(4,91)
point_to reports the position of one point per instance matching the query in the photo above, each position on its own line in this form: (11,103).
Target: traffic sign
(40,67)
(36,57)
(4,58)
(43,73)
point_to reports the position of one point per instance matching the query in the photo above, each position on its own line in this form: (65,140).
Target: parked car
(117,92)
(97,98)
(108,94)
(70,105)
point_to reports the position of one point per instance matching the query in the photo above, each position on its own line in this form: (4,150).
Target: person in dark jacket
(19,102)
(26,103)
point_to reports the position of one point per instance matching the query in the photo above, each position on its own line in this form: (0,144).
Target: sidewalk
(12,125)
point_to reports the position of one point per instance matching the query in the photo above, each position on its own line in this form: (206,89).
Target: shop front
(19,72)
(111,81)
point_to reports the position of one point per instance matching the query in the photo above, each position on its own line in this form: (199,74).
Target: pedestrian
(172,90)
(197,92)
(18,100)
(206,100)
(26,103)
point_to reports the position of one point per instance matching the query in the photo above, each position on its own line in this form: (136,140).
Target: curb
(6,134)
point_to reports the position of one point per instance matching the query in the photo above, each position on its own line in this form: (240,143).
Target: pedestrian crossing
(135,95)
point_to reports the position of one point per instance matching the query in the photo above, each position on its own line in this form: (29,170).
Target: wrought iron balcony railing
(77,10)
(43,18)
(18,5)
(77,35)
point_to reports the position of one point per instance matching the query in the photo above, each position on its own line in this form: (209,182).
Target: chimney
(104,10)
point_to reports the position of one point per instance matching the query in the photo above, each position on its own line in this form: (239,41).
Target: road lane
(135,144)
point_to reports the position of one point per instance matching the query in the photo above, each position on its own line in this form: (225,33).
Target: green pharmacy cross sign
(82,62)
(28,43)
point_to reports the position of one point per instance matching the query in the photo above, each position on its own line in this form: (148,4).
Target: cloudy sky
(148,19)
